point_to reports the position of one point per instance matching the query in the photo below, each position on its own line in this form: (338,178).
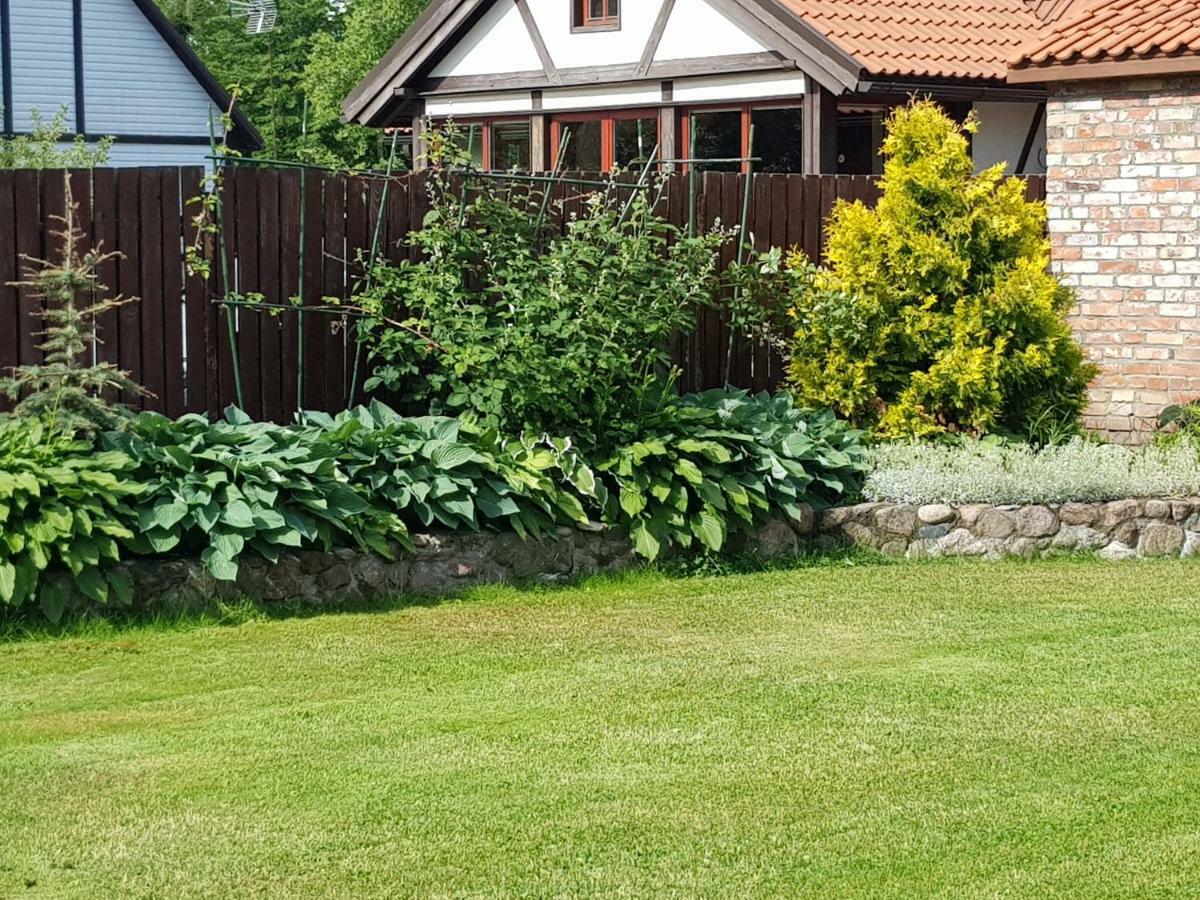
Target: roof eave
(1105,68)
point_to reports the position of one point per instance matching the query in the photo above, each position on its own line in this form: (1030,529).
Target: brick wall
(1123,192)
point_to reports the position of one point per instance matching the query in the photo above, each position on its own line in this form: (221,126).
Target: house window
(510,146)
(601,142)
(596,15)
(723,133)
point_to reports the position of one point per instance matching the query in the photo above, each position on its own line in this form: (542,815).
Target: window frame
(608,119)
(583,21)
(746,113)
(485,124)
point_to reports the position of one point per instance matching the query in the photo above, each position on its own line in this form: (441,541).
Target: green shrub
(64,509)
(936,311)
(712,463)
(225,488)
(532,331)
(435,471)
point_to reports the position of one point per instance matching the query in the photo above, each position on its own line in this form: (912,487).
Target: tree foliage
(45,146)
(936,311)
(71,390)
(319,51)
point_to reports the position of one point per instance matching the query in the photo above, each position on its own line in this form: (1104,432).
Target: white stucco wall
(1003,129)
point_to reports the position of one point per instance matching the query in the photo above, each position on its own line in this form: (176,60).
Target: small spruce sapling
(72,391)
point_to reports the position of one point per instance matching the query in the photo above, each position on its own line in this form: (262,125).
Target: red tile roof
(927,38)
(1119,31)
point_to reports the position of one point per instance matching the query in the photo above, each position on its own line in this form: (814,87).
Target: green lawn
(948,729)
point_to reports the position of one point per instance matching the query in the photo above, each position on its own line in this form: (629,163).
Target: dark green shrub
(529,331)
(223,489)
(64,510)
(712,463)
(936,312)
(434,471)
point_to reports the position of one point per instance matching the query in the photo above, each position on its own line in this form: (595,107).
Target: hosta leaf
(122,586)
(645,543)
(632,500)
(8,582)
(165,514)
(92,584)
(689,471)
(709,529)
(238,515)
(450,456)
(220,567)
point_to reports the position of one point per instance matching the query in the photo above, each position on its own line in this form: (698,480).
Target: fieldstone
(527,558)
(1036,521)
(775,540)
(1117,552)
(832,519)
(1080,513)
(994,523)
(933,532)
(860,535)
(804,524)
(1158,509)
(1023,547)
(1181,509)
(900,520)
(336,577)
(1161,539)
(894,548)
(1191,545)
(970,513)
(1127,533)
(313,562)
(959,542)
(1118,511)
(1079,537)
(936,513)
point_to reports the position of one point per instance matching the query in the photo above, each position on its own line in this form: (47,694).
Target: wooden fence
(292,233)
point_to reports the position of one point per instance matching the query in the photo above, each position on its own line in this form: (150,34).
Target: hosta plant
(64,509)
(434,471)
(715,462)
(225,488)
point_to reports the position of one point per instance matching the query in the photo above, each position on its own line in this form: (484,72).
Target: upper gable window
(596,15)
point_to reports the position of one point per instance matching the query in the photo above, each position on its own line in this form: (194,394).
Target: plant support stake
(231,325)
(383,199)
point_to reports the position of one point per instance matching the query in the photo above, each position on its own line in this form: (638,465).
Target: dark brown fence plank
(104,235)
(315,325)
(129,280)
(273,258)
(153,290)
(290,189)
(225,279)
(248,279)
(200,352)
(172,292)
(27,201)
(334,387)
(10,305)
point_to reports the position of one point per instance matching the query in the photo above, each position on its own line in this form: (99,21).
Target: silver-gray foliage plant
(987,472)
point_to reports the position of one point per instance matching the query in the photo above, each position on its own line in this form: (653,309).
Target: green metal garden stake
(219,208)
(383,199)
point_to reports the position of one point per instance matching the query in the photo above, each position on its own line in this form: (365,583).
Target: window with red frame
(597,14)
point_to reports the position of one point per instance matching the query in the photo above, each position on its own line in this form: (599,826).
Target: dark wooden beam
(820,130)
(77,33)
(535,35)
(668,139)
(656,33)
(1030,138)
(418,136)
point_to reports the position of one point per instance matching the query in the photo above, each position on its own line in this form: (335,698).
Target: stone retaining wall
(441,564)
(1120,529)
(444,564)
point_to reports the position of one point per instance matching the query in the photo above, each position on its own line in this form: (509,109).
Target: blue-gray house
(120,70)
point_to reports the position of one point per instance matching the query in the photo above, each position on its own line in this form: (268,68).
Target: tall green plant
(936,311)
(529,329)
(71,390)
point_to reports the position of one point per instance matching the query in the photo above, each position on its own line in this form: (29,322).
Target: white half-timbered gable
(117,69)
(695,78)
